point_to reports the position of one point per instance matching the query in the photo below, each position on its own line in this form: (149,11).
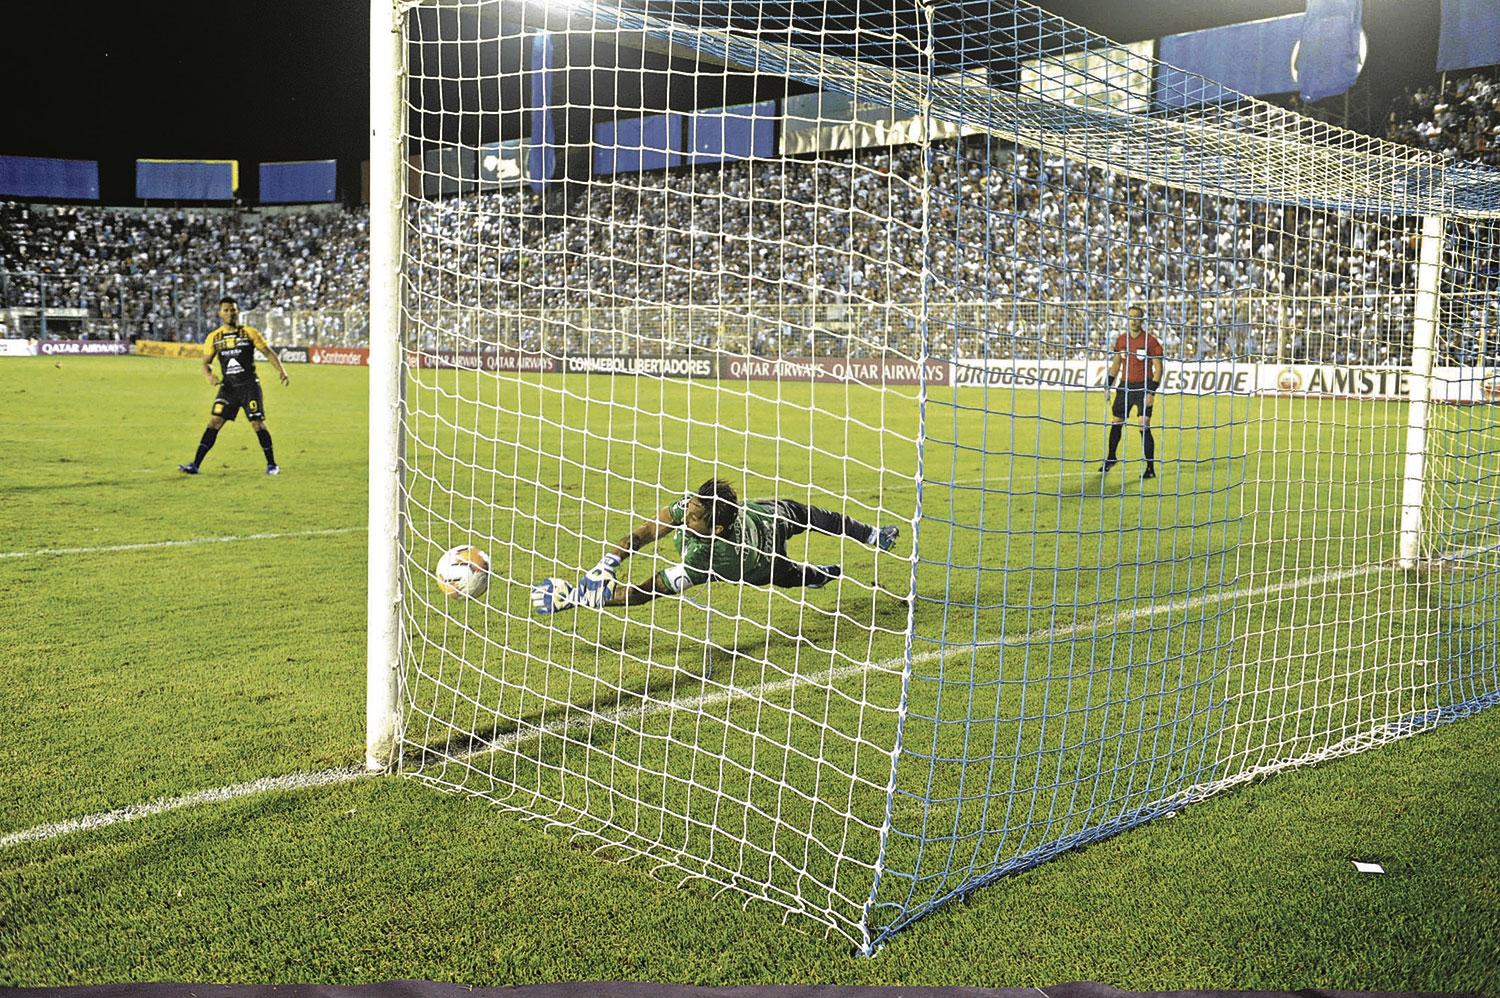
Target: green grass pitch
(142,669)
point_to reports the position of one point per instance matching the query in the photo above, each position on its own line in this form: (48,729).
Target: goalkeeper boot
(886,536)
(1149,473)
(188,469)
(818,576)
(1109,462)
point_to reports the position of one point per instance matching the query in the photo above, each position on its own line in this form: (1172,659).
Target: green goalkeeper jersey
(742,553)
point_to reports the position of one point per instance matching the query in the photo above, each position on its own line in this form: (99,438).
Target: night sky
(288,79)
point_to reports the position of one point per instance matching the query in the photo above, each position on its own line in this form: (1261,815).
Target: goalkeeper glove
(599,585)
(552,596)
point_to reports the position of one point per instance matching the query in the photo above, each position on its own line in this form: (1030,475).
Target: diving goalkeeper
(720,538)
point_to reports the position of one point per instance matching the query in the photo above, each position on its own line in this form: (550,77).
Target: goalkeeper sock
(264,436)
(206,444)
(1114,441)
(1148,442)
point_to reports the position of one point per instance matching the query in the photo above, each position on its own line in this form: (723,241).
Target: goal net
(874,269)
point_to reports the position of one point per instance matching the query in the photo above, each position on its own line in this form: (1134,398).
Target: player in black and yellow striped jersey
(239,388)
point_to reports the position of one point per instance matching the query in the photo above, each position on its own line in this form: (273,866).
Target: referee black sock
(1114,440)
(264,436)
(1148,443)
(206,444)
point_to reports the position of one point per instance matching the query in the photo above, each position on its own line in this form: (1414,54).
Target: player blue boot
(188,469)
(273,469)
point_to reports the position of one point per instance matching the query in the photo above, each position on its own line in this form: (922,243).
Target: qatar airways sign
(91,348)
(481,360)
(863,370)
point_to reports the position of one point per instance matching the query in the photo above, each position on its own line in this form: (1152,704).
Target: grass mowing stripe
(328,532)
(1156,609)
(826,677)
(148,545)
(331,531)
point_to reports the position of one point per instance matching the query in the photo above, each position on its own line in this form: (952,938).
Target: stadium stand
(1458,121)
(157,273)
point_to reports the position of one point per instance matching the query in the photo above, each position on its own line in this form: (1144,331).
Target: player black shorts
(1131,395)
(232,398)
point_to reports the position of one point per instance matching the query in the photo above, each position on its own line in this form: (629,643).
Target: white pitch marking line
(294,781)
(148,545)
(641,711)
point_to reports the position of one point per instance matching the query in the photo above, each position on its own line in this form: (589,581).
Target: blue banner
(1470,35)
(37,177)
(543,157)
(745,131)
(186,179)
(633,144)
(1210,66)
(1328,58)
(305,182)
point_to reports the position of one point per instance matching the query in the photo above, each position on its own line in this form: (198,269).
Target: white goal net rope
(872,271)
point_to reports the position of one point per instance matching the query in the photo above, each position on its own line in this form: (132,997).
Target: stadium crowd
(159,272)
(780,256)
(1460,121)
(760,239)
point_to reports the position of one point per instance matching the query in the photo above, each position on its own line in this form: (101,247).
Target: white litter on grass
(1368,867)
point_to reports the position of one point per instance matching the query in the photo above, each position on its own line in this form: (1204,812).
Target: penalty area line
(186,542)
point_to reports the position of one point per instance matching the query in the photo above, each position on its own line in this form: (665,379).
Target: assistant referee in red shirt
(1138,355)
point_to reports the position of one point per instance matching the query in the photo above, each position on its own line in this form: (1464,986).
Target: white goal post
(1424,339)
(909,442)
(388,83)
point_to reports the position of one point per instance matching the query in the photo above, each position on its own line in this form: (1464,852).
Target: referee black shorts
(1132,395)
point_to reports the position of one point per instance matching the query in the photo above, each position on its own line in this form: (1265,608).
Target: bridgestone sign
(1449,384)
(1029,373)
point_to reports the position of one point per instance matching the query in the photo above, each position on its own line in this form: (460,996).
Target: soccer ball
(463,571)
